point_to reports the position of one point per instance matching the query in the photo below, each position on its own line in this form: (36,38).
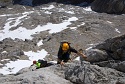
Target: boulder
(115,47)
(86,73)
(95,55)
(4,3)
(109,6)
(118,65)
(46,75)
(110,53)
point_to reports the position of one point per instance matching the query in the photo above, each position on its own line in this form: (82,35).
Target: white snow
(88,48)
(109,22)
(47,12)
(50,7)
(15,66)
(4,52)
(5,59)
(88,9)
(36,55)
(91,44)
(71,12)
(23,33)
(40,43)
(117,30)
(77,58)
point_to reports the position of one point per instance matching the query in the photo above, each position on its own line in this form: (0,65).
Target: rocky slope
(90,28)
(74,73)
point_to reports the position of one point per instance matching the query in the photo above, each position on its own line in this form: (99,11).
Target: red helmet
(34,62)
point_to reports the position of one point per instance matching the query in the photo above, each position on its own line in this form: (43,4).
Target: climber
(65,51)
(41,63)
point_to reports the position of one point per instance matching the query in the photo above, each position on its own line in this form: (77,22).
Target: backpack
(43,63)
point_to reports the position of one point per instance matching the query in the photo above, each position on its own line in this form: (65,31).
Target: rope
(84,73)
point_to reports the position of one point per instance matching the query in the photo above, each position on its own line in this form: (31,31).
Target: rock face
(47,75)
(73,73)
(110,53)
(38,2)
(109,6)
(4,3)
(87,31)
(86,73)
(115,47)
(96,55)
(105,6)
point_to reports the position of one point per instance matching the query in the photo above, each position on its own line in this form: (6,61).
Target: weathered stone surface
(109,6)
(114,47)
(109,53)
(40,76)
(73,73)
(118,65)
(5,3)
(96,55)
(86,73)
(90,29)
